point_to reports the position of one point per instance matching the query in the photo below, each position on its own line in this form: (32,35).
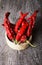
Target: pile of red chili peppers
(22,29)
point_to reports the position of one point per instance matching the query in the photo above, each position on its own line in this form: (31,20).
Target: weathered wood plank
(30,56)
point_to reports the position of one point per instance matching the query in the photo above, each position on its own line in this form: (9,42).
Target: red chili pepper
(8,27)
(13,27)
(21,13)
(18,23)
(31,23)
(33,15)
(32,18)
(24,21)
(10,35)
(21,32)
(6,20)
(29,31)
(7,14)
(23,38)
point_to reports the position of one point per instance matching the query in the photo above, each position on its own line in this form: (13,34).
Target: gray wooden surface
(29,56)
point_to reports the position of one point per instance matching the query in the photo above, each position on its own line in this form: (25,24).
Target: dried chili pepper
(32,18)
(23,38)
(29,31)
(7,26)
(21,13)
(10,34)
(18,23)
(24,21)
(31,23)
(21,32)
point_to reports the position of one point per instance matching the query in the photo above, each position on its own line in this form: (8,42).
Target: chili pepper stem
(16,42)
(30,44)
(30,38)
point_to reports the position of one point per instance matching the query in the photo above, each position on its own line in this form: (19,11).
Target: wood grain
(30,56)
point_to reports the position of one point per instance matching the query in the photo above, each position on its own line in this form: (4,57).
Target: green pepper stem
(31,44)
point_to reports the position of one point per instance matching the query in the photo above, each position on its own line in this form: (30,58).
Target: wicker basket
(14,46)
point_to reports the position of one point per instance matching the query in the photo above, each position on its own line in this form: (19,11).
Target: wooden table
(29,56)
